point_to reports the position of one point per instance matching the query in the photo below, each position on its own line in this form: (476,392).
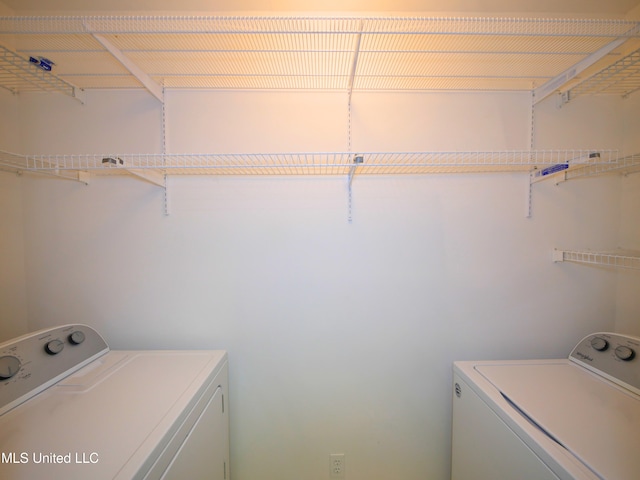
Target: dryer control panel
(611,355)
(33,362)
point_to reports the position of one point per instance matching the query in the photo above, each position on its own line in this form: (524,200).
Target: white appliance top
(589,404)
(595,421)
(105,420)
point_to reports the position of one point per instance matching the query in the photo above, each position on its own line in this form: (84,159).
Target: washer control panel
(33,362)
(614,356)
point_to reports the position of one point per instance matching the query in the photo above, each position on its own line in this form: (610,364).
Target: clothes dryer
(71,408)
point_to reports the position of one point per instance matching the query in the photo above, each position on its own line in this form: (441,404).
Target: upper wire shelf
(320,53)
(622,78)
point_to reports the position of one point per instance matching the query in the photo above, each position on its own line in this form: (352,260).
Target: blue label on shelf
(43,63)
(554,168)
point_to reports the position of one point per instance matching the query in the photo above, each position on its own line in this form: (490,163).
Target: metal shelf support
(357,161)
(153,88)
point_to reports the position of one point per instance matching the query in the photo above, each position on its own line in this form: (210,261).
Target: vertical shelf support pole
(164,152)
(532,144)
(529,195)
(166,196)
(357,161)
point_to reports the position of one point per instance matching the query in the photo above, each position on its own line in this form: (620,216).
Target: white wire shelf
(336,163)
(617,259)
(621,78)
(149,24)
(19,74)
(625,165)
(350,53)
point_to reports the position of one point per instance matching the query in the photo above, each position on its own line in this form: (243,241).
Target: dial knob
(625,353)
(77,337)
(54,347)
(9,366)
(599,344)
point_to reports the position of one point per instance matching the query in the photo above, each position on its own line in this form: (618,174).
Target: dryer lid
(595,420)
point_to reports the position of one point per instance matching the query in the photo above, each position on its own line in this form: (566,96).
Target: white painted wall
(10,125)
(340,336)
(628,302)
(616,118)
(13,293)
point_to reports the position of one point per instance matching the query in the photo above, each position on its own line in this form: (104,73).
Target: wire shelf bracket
(150,176)
(148,82)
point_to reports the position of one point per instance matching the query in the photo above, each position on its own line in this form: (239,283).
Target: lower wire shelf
(313,163)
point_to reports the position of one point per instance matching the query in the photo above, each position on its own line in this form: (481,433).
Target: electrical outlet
(337,465)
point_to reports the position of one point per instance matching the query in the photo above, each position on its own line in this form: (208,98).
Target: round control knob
(54,347)
(9,366)
(76,338)
(599,344)
(625,353)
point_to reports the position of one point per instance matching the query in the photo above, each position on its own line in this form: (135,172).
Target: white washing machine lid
(589,416)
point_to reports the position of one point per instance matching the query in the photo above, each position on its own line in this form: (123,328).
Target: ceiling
(595,8)
(339,45)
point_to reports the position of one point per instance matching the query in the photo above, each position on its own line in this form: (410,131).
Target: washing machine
(72,408)
(576,418)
